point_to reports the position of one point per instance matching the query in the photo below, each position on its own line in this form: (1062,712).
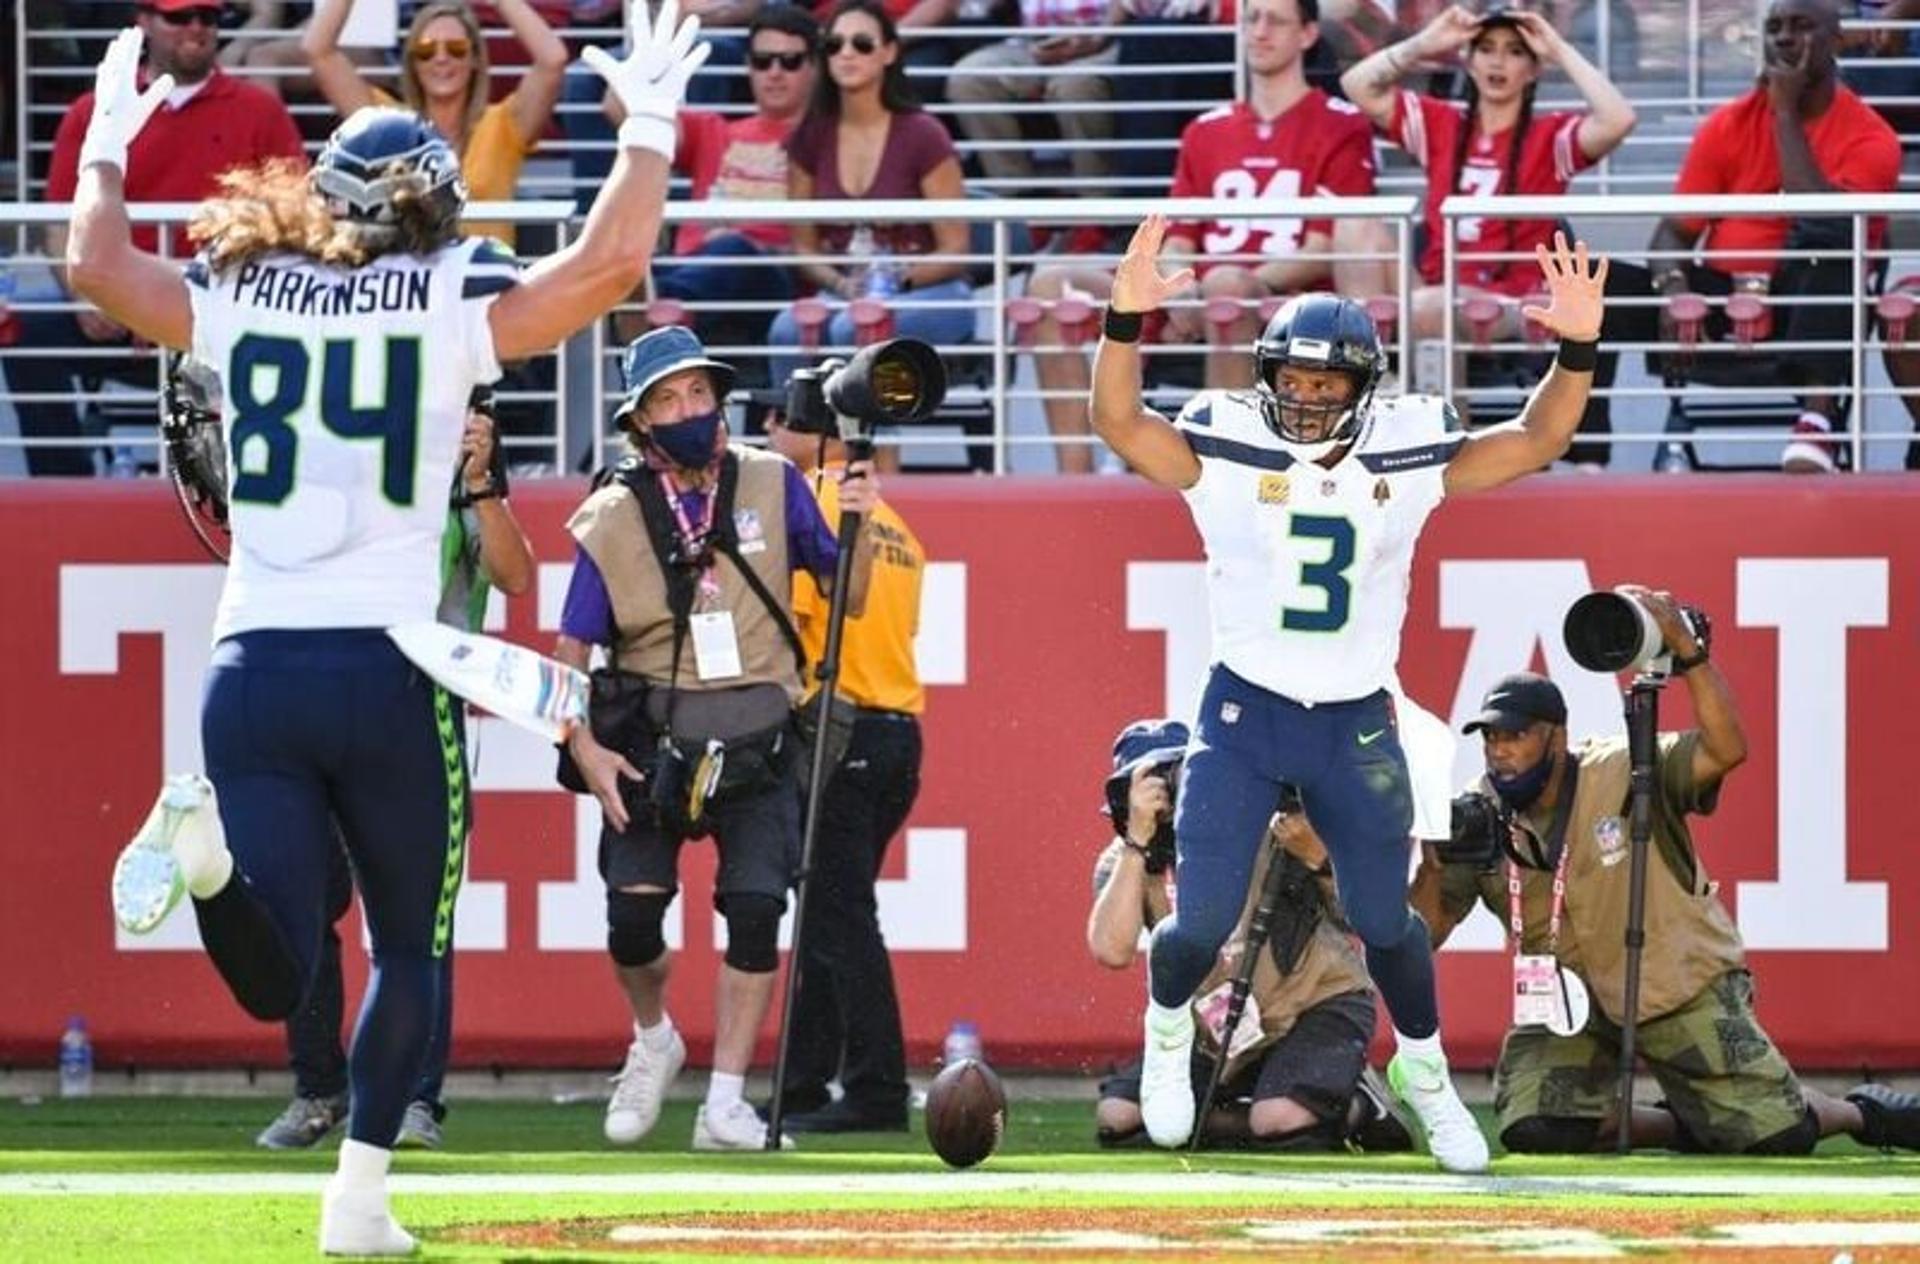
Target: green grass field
(137,1179)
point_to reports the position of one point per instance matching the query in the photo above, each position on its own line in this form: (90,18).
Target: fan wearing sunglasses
(865,138)
(443,78)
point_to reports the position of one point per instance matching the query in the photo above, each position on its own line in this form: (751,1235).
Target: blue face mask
(690,442)
(1523,789)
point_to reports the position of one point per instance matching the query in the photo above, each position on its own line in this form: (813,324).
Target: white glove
(651,80)
(120,109)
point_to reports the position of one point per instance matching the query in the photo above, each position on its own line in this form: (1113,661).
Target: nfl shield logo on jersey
(1611,839)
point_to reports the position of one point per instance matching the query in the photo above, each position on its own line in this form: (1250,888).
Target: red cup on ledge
(1024,315)
(1078,325)
(1482,314)
(872,321)
(1384,309)
(662,312)
(810,315)
(1896,308)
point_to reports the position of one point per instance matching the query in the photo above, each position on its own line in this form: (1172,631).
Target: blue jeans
(694,279)
(937,325)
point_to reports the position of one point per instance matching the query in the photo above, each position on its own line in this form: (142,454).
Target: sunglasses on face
(428,49)
(786,61)
(863,44)
(188,17)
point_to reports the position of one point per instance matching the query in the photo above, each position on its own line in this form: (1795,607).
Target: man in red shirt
(1286,140)
(211,122)
(1800,130)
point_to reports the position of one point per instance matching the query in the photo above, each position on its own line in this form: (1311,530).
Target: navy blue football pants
(302,729)
(1346,760)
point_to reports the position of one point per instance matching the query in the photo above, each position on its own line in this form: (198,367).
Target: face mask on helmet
(1325,334)
(1312,421)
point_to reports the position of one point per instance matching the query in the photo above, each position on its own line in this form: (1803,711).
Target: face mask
(1522,789)
(688,443)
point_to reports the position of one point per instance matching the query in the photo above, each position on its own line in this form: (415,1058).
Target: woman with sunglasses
(443,78)
(865,138)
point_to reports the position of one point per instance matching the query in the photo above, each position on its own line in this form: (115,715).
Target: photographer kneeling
(1297,1076)
(1543,841)
(684,571)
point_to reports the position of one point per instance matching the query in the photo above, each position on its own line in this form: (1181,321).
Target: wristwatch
(1684,665)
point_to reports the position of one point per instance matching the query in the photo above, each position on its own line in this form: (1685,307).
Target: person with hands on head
(684,571)
(312,715)
(1550,862)
(1309,495)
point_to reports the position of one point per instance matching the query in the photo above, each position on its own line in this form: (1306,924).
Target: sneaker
(845,1116)
(419,1128)
(1385,1128)
(180,847)
(641,1086)
(357,1222)
(1453,1138)
(303,1122)
(1811,449)
(734,1126)
(1166,1079)
(1888,1117)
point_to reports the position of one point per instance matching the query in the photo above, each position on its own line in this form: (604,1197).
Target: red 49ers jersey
(1428,128)
(1321,147)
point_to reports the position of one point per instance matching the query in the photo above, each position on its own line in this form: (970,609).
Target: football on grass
(966,1113)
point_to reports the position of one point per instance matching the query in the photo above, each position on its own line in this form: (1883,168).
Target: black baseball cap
(1515,702)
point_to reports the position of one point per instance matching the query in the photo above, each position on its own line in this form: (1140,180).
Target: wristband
(644,131)
(1685,665)
(467,499)
(1579,357)
(1119,326)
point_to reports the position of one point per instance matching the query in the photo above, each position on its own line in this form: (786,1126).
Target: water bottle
(963,1041)
(861,249)
(883,279)
(76,1059)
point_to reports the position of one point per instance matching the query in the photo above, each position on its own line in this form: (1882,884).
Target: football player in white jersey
(1309,495)
(349,322)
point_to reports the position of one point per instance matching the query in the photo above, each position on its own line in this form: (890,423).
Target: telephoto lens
(1611,632)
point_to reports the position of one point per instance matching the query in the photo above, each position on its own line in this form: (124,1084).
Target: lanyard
(1518,925)
(695,538)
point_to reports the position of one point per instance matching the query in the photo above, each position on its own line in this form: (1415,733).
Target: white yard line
(1142,1185)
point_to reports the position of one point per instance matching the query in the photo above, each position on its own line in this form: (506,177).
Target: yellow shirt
(491,164)
(876,653)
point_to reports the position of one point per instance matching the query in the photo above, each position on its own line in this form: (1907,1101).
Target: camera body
(1160,851)
(1477,834)
(1611,632)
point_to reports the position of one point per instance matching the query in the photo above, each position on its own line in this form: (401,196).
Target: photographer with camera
(684,570)
(1296,1075)
(1541,840)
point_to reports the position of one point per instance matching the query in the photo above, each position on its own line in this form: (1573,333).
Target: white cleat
(640,1087)
(357,1222)
(181,847)
(1453,1138)
(1166,1080)
(735,1126)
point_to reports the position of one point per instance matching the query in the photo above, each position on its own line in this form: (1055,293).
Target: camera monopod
(896,381)
(1259,931)
(1643,727)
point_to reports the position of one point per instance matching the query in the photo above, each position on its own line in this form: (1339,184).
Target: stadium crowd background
(1674,61)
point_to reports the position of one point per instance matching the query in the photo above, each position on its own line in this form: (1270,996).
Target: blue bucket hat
(1155,741)
(660,353)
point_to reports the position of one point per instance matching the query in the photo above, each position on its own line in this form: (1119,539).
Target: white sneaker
(735,1126)
(181,847)
(640,1087)
(1166,1080)
(357,1222)
(1424,1087)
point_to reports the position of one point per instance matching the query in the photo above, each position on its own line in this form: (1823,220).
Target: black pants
(847,1016)
(53,374)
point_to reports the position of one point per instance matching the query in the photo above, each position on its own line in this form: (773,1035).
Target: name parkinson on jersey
(303,293)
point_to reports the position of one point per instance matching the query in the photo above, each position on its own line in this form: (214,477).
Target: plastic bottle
(963,1041)
(862,248)
(76,1059)
(883,279)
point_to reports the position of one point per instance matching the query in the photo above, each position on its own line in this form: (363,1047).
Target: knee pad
(1799,1139)
(753,933)
(1548,1134)
(634,919)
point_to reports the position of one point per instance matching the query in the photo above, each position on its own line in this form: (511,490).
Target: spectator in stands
(1800,130)
(925,58)
(1492,143)
(1548,864)
(443,78)
(1052,64)
(1286,140)
(742,159)
(210,122)
(1883,76)
(865,137)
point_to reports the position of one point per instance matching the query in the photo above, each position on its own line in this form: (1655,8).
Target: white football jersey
(345,392)
(1308,568)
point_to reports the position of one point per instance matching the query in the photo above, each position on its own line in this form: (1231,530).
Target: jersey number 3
(394,422)
(1329,574)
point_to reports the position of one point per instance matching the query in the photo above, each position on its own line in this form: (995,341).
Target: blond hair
(410,90)
(273,208)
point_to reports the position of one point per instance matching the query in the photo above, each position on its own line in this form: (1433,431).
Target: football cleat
(1167,1105)
(1453,1138)
(180,846)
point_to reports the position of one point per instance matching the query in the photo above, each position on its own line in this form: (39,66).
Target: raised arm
(534,96)
(1723,739)
(1371,82)
(144,292)
(339,79)
(1143,438)
(566,290)
(1540,435)
(1609,116)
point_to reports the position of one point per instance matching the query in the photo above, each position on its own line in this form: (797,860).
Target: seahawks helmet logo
(377,153)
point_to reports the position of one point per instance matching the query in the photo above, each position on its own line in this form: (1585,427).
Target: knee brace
(753,933)
(1548,1134)
(634,919)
